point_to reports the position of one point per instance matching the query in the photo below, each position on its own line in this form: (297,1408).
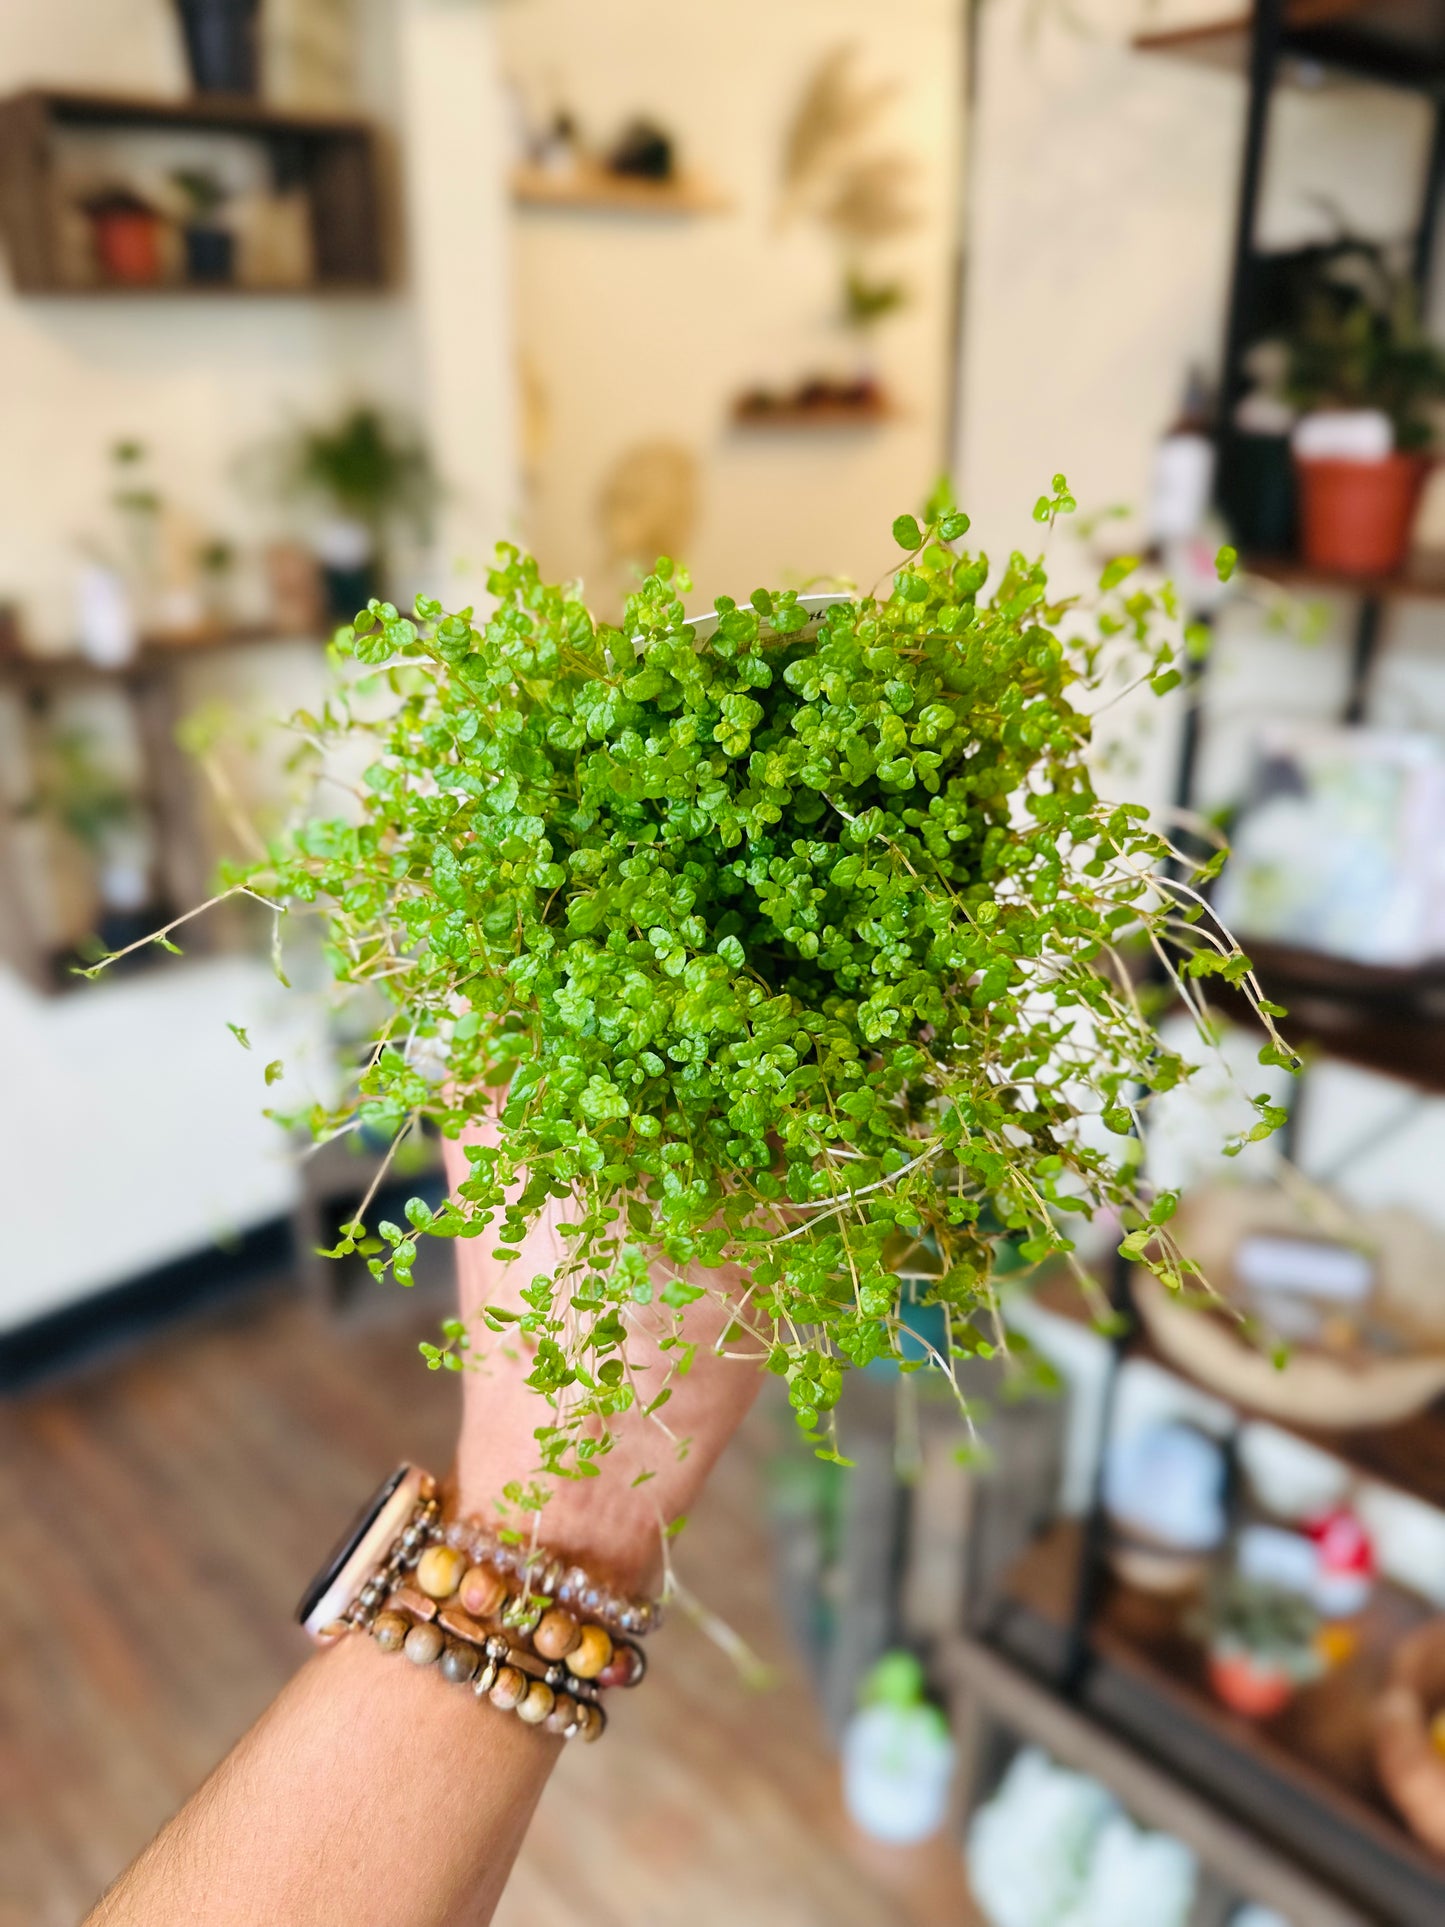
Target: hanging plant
(776,945)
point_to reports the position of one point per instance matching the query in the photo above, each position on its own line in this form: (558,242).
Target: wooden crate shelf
(333,159)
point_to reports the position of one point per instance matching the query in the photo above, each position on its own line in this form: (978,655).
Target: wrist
(605,1524)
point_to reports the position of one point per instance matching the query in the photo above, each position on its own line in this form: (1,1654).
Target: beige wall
(634,329)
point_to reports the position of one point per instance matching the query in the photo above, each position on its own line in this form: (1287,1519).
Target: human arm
(372,1791)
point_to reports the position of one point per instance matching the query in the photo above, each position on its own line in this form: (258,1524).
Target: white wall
(635,329)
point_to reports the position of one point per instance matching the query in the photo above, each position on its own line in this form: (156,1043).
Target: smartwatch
(383,1541)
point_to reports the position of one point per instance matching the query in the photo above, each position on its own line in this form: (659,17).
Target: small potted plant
(126,231)
(1262,1645)
(210,248)
(1364,375)
(367,476)
(758,944)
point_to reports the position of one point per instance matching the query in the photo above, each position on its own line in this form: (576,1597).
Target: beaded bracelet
(544,1573)
(428,1601)
(513,1679)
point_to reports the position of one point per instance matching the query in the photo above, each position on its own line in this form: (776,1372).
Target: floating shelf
(1400,44)
(596,190)
(799,415)
(332,159)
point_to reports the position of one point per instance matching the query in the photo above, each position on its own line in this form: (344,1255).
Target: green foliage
(778,946)
(1358,340)
(363,466)
(867,302)
(79,791)
(1273,1627)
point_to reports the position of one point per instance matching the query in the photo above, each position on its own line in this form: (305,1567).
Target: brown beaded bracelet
(513,1679)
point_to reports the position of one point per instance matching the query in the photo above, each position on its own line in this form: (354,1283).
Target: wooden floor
(157,1520)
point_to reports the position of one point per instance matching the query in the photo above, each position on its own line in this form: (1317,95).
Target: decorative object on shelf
(1051,1846)
(1164,1489)
(105,623)
(12,634)
(369,477)
(1362,374)
(1369,1365)
(838,947)
(1257,489)
(858,192)
(1357,510)
(210,249)
(1261,1642)
(1181,478)
(1345,1576)
(308,53)
(642,151)
(1287,1477)
(1337,848)
(293,579)
(897,1755)
(1408,1755)
(126,232)
(98,809)
(639,173)
(222,42)
(820,401)
(647,506)
(216,562)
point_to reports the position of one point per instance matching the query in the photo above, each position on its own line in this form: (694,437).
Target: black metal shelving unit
(1055,1611)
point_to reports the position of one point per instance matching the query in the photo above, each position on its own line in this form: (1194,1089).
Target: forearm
(370,1790)
(376,1791)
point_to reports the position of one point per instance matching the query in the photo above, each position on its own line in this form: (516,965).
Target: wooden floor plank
(159,1517)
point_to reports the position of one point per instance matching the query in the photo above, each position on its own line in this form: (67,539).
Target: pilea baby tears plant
(795,935)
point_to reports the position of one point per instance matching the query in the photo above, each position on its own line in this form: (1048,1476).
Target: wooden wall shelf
(1399,45)
(43,674)
(596,190)
(332,159)
(794,416)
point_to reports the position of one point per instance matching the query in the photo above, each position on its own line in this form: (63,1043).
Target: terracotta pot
(127,244)
(1357,517)
(1245,1686)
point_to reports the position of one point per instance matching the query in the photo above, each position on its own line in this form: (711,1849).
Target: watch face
(356,1547)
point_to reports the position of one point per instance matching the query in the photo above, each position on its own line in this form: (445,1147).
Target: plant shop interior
(306,302)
